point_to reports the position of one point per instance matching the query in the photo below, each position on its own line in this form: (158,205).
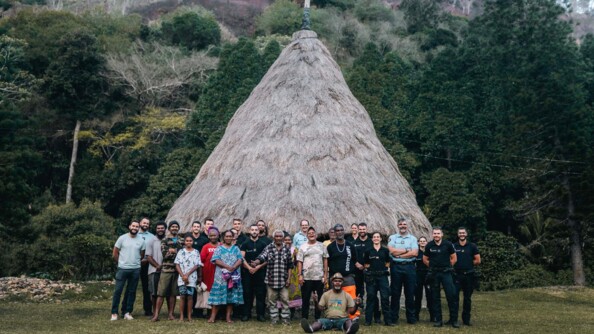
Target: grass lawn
(556,310)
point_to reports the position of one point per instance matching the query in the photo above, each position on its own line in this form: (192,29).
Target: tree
(73,85)
(527,61)
(282,17)
(191,30)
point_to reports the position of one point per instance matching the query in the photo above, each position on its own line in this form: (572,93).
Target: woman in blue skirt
(226,289)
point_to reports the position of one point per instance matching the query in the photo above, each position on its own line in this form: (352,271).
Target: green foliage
(67,242)
(421,14)
(73,81)
(19,169)
(451,203)
(191,30)
(499,256)
(372,10)
(282,17)
(240,70)
(42,32)
(175,174)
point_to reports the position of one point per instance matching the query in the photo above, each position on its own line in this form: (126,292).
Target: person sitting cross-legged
(336,305)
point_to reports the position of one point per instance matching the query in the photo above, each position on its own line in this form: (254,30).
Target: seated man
(336,305)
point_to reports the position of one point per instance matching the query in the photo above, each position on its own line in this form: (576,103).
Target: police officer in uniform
(468,257)
(440,257)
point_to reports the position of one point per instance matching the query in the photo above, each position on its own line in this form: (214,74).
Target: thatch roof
(301,147)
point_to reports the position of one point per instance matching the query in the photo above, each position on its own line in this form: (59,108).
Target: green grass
(544,310)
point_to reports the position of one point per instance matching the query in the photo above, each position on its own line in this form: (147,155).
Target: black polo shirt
(362,246)
(252,248)
(376,259)
(341,258)
(198,243)
(241,238)
(439,255)
(465,255)
(266,239)
(419,261)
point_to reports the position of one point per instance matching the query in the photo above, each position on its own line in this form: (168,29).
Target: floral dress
(221,294)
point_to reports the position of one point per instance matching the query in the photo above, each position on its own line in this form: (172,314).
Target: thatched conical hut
(301,147)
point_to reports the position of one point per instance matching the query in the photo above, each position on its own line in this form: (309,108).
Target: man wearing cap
(168,281)
(336,305)
(403,249)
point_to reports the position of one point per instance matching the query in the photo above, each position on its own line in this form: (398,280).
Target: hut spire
(306,24)
(301,147)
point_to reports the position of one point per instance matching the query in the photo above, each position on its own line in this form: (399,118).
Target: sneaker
(354,328)
(127,316)
(114,317)
(286,322)
(306,326)
(274,322)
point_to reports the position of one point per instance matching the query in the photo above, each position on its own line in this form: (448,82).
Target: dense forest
(106,117)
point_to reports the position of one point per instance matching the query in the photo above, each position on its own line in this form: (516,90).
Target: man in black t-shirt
(252,276)
(361,244)
(468,257)
(341,259)
(440,257)
(241,237)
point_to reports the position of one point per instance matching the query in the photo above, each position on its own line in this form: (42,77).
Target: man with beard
(403,249)
(203,238)
(341,259)
(279,262)
(468,257)
(241,237)
(301,237)
(361,244)
(440,257)
(337,306)
(263,232)
(127,252)
(252,276)
(147,236)
(312,266)
(168,280)
(155,260)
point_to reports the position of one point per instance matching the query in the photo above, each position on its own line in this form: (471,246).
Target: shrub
(500,256)
(191,30)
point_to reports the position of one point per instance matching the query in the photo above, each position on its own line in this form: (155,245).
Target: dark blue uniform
(376,279)
(465,276)
(441,273)
(422,285)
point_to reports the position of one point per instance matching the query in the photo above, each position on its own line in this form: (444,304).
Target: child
(188,265)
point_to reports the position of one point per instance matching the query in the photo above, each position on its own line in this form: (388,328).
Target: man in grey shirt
(127,252)
(155,260)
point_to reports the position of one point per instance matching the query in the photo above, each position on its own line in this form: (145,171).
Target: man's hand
(172,250)
(288,283)
(301,280)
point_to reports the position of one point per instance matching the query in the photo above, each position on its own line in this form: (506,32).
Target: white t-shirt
(187,260)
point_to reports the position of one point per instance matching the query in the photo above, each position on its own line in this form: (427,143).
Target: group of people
(230,270)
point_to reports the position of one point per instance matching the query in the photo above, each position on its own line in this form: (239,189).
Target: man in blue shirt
(403,249)
(127,252)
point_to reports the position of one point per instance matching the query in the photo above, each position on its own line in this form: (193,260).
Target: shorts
(332,323)
(186,290)
(153,283)
(167,285)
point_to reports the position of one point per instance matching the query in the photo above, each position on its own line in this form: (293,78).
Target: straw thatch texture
(301,146)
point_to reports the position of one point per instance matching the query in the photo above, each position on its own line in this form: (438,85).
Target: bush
(68,242)
(191,30)
(282,17)
(500,256)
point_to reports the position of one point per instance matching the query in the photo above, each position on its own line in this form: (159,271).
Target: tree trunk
(72,162)
(575,240)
